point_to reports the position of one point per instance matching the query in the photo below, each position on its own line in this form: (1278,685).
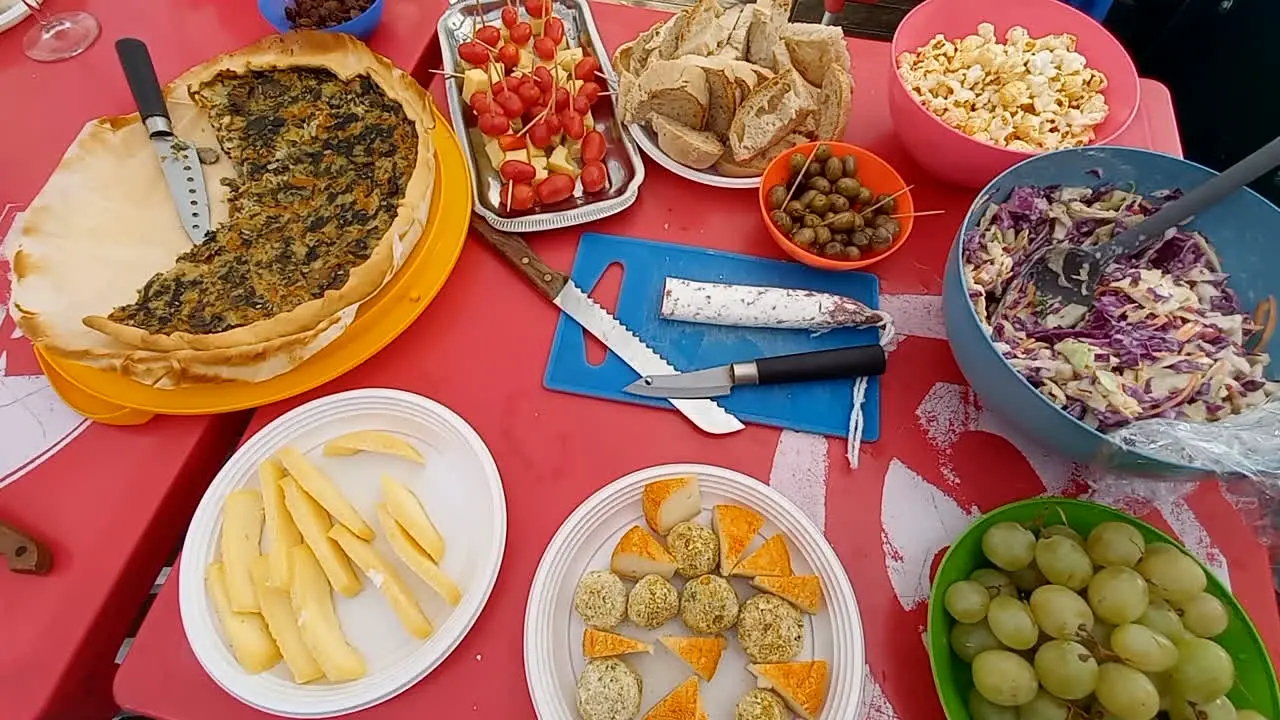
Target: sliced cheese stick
(375,441)
(385,577)
(320,487)
(277,610)
(313,606)
(313,522)
(241,536)
(281,533)
(411,554)
(408,511)
(250,642)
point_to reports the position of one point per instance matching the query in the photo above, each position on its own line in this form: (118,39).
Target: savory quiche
(323,186)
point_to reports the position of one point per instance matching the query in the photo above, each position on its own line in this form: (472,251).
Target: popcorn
(1027,93)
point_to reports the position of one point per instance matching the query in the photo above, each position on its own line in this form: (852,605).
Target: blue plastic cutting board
(816,407)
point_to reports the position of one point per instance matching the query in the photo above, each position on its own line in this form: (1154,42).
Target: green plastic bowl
(1255,677)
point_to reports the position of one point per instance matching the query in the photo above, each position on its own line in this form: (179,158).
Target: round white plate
(461,490)
(553,631)
(12,12)
(648,143)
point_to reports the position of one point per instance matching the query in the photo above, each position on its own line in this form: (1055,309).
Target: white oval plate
(12,12)
(648,143)
(553,631)
(460,487)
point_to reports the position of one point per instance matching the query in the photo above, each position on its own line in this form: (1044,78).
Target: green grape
(967,601)
(1061,531)
(1115,543)
(1101,633)
(1220,709)
(1163,686)
(1045,707)
(981,708)
(1204,671)
(1250,715)
(1028,578)
(1064,562)
(1062,614)
(1012,623)
(967,640)
(1163,619)
(1203,615)
(1097,712)
(1127,693)
(1004,678)
(1172,575)
(1009,545)
(1066,669)
(1118,594)
(996,582)
(1143,648)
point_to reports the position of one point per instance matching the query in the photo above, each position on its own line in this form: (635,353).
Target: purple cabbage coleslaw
(1165,336)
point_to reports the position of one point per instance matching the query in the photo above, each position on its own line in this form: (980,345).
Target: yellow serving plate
(114,399)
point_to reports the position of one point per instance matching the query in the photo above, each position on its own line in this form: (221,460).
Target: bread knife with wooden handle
(23,554)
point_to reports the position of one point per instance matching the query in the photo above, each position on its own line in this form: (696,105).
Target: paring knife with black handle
(861,361)
(178,159)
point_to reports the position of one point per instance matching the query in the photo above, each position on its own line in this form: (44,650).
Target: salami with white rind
(763,307)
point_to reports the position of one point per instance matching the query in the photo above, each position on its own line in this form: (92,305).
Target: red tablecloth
(481,349)
(112,503)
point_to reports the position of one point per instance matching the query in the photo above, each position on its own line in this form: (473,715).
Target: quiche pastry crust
(104,224)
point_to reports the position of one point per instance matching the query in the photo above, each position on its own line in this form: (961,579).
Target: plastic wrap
(1245,445)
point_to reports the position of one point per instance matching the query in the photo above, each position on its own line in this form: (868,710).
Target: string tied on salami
(779,308)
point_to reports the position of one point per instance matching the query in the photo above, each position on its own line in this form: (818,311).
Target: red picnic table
(111,503)
(481,349)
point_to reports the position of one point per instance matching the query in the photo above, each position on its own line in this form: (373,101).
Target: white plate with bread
(342,553)
(659,597)
(713,95)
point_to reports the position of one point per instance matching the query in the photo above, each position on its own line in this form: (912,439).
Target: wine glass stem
(36,11)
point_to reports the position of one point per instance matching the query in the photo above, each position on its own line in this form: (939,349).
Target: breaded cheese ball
(652,602)
(695,548)
(601,599)
(609,689)
(709,604)
(770,629)
(761,705)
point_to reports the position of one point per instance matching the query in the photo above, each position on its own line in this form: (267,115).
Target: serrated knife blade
(556,287)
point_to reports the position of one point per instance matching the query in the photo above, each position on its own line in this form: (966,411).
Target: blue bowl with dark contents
(361,26)
(1241,230)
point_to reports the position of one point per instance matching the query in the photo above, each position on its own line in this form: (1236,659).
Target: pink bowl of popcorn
(1006,81)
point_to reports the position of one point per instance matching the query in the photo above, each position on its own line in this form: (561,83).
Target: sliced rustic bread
(834,103)
(728,84)
(628,99)
(735,47)
(644,47)
(674,89)
(667,41)
(755,166)
(770,17)
(621,57)
(698,149)
(702,34)
(772,111)
(814,48)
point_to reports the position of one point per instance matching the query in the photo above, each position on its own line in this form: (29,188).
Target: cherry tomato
(510,82)
(473,52)
(593,146)
(573,124)
(544,48)
(493,124)
(489,35)
(542,76)
(586,68)
(510,16)
(529,93)
(553,123)
(511,104)
(511,142)
(555,188)
(537,8)
(562,99)
(518,196)
(509,56)
(540,135)
(480,102)
(581,105)
(517,170)
(521,33)
(594,176)
(534,111)
(554,29)
(591,91)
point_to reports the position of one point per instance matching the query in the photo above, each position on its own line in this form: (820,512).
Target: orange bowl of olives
(835,206)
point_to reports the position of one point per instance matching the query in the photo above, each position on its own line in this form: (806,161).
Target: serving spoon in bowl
(1066,276)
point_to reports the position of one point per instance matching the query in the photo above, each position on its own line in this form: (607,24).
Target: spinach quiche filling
(321,165)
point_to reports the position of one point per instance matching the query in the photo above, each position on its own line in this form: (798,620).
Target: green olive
(794,208)
(822,153)
(777,197)
(804,238)
(861,238)
(814,170)
(840,237)
(807,197)
(889,203)
(820,184)
(781,220)
(818,203)
(827,216)
(879,220)
(810,221)
(834,170)
(823,235)
(842,222)
(864,195)
(796,162)
(847,187)
(850,166)
(833,250)
(881,237)
(852,253)
(858,221)
(893,227)
(838,202)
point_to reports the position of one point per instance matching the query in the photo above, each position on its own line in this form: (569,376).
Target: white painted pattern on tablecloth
(917,519)
(799,472)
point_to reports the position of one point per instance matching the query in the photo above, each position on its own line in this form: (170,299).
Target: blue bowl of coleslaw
(1176,333)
